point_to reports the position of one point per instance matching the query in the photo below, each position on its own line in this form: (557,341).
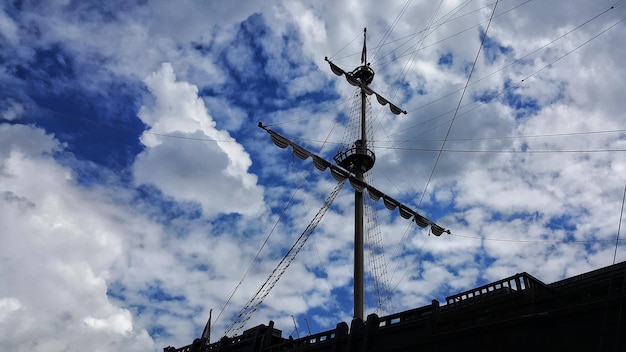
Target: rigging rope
(376,254)
(469,76)
(390,29)
(407,52)
(512,86)
(405,237)
(613,272)
(403,74)
(619,226)
(263,245)
(273,227)
(246,312)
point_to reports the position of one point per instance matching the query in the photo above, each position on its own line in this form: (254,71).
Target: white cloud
(8,29)
(213,172)
(120,323)
(58,243)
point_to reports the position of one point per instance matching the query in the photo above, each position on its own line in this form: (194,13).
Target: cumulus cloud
(58,244)
(205,164)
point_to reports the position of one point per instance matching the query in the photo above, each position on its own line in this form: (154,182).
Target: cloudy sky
(136,189)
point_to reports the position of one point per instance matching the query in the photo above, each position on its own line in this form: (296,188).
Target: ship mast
(364,159)
(352,164)
(358,160)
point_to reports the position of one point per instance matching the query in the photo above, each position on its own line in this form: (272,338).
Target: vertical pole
(358,225)
(358,252)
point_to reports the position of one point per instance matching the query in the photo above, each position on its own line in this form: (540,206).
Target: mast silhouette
(358,160)
(352,164)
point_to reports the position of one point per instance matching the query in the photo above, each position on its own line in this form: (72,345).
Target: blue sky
(136,188)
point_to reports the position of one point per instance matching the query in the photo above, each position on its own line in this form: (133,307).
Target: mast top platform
(358,158)
(364,73)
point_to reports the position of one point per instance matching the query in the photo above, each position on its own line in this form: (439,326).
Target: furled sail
(341,174)
(369,91)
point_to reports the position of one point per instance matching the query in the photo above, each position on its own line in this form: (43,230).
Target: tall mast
(353,163)
(359,159)
(364,163)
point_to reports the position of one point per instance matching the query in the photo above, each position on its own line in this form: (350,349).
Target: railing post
(434,315)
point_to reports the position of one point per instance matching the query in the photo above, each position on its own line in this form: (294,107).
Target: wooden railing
(516,283)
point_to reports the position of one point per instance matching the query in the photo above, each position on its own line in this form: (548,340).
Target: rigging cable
(482,43)
(306,117)
(450,93)
(300,185)
(619,226)
(406,39)
(390,29)
(407,52)
(376,253)
(293,195)
(252,305)
(621,302)
(407,67)
(613,272)
(520,60)
(403,74)
(426,32)
(478,139)
(508,88)
(520,151)
(345,46)
(511,240)
(208,139)
(405,237)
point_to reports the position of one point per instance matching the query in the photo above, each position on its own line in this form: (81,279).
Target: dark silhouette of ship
(517,313)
